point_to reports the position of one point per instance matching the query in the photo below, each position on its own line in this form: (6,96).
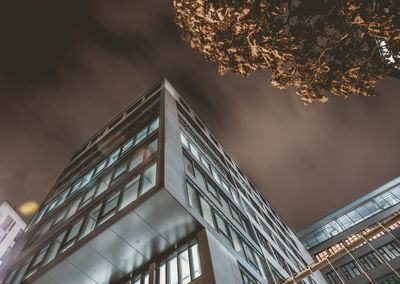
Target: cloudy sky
(68,67)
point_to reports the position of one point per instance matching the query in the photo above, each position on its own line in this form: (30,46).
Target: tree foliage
(340,46)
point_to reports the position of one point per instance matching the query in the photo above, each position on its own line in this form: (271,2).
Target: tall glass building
(376,260)
(153,197)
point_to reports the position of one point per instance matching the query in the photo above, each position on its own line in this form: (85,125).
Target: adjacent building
(378,260)
(11,226)
(153,197)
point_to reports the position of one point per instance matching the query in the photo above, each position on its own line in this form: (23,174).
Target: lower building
(11,226)
(377,259)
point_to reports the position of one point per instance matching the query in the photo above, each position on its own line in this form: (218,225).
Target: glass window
(38,259)
(149,178)
(152,148)
(73,208)
(141,135)
(237,244)
(212,189)
(113,157)
(146,279)
(206,210)
(194,151)
(235,213)
(130,191)
(71,235)
(370,260)
(185,142)
(136,160)
(60,216)
(195,256)
(75,187)
(62,197)
(105,181)
(199,177)
(21,272)
(162,274)
(119,171)
(86,179)
(350,270)
(101,166)
(154,125)
(87,197)
(333,278)
(222,226)
(52,205)
(193,197)
(109,207)
(91,220)
(184,267)
(172,271)
(205,163)
(216,175)
(127,145)
(188,164)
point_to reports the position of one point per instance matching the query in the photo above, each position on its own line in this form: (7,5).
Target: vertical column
(152,273)
(205,258)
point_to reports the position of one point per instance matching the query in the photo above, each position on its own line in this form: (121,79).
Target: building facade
(153,197)
(11,226)
(378,259)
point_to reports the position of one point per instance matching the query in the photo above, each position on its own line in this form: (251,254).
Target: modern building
(378,259)
(153,197)
(11,226)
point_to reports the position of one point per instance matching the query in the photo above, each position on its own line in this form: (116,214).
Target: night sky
(68,67)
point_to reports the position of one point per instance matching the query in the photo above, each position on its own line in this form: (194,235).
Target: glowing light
(28,208)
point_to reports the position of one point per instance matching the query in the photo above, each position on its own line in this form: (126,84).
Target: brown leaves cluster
(314,45)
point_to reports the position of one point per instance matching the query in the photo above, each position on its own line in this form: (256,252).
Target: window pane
(173,271)
(105,181)
(87,178)
(136,160)
(91,221)
(101,166)
(74,231)
(146,279)
(127,145)
(196,267)
(110,204)
(184,140)
(237,244)
(193,197)
(113,157)
(162,274)
(149,178)
(184,267)
(120,170)
(87,197)
(73,208)
(199,177)
(205,163)
(154,125)
(221,225)
(75,187)
(130,191)
(141,135)
(40,256)
(206,210)
(212,189)
(195,152)
(152,148)
(188,164)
